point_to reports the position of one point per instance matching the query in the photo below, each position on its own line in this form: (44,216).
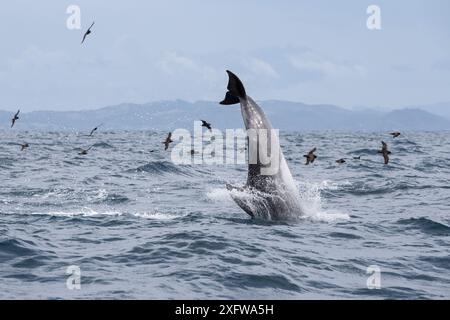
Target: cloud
(443,64)
(175,64)
(33,58)
(310,62)
(262,68)
(403,68)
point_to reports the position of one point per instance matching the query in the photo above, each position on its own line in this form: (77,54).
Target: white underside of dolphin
(271,196)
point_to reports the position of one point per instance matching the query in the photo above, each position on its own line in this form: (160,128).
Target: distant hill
(441,109)
(169,115)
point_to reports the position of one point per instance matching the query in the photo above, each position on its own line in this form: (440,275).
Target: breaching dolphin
(270,192)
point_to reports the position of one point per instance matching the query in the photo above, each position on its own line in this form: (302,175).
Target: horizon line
(350,108)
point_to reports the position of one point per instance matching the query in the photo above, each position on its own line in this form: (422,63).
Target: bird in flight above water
(88,32)
(310,157)
(15,118)
(23,146)
(206,125)
(84,152)
(385,152)
(168,141)
(395,134)
(95,129)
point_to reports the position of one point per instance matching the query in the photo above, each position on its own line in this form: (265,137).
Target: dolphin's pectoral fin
(255,203)
(240,196)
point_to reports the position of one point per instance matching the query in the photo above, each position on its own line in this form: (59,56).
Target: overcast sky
(142,51)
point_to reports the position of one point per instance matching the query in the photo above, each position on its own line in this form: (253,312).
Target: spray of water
(311,200)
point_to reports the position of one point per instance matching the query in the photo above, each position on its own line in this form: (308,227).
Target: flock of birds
(83,152)
(310,157)
(25,145)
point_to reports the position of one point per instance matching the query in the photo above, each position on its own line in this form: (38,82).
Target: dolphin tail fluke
(235,88)
(229,99)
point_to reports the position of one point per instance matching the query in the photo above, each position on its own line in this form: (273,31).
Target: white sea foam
(88,212)
(83,212)
(157,215)
(220,195)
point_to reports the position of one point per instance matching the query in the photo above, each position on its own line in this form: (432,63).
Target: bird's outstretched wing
(87,32)
(13,120)
(386,157)
(95,129)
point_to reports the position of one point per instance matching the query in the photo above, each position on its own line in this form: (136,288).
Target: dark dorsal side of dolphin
(277,193)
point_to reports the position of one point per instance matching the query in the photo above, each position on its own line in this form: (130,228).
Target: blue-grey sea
(139,226)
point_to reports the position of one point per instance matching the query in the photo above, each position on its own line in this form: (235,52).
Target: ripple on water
(426,225)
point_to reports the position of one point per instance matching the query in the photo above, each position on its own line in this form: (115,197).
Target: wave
(24,253)
(364,151)
(109,198)
(361,188)
(426,225)
(10,248)
(163,167)
(442,262)
(103,145)
(89,212)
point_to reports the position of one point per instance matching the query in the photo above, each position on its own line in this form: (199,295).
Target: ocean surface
(140,227)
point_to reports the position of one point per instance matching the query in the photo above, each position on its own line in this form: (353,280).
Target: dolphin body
(269,196)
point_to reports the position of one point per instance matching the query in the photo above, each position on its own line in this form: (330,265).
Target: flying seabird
(87,32)
(206,125)
(385,152)
(395,134)
(168,141)
(310,157)
(84,152)
(95,129)
(340,161)
(24,146)
(15,118)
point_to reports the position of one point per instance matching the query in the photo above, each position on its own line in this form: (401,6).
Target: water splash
(313,204)
(310,197)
